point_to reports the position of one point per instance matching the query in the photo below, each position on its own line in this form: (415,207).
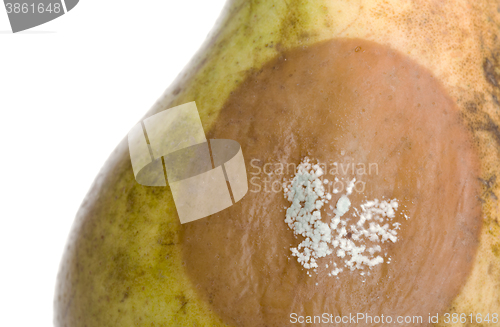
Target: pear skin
(124,262)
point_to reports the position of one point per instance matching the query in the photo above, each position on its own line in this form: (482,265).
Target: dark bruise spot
(284,112)
(490,72)
(177,91)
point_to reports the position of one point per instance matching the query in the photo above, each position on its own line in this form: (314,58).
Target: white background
(69,92)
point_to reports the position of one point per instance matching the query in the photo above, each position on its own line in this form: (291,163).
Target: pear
(410,85)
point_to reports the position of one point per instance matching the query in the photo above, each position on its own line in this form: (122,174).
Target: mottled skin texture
(123,264)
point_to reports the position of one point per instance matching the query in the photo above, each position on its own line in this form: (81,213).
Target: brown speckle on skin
(490,72)
(495,248)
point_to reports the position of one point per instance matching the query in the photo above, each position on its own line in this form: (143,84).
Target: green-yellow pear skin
(412,85)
